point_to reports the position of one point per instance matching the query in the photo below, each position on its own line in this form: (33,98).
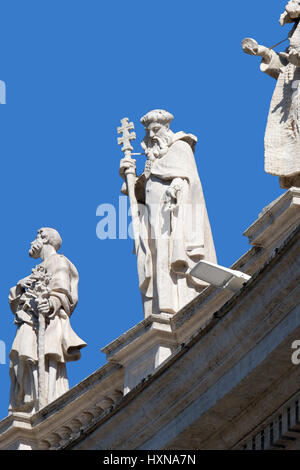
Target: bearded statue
(282,138)
(291,13)
(174,227)
(58,277)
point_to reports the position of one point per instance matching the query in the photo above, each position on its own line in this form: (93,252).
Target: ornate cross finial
(127,136)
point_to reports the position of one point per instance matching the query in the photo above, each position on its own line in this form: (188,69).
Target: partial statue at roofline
(282,138)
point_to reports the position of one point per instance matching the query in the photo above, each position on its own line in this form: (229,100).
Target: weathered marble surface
(174,230)
(46,298)
(282,138)
(229,373)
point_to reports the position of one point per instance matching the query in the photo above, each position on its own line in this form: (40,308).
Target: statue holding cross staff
(129,173)
(170,222)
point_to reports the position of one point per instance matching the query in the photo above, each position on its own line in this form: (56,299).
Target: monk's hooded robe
(172,242)
(282,138)
(61,342)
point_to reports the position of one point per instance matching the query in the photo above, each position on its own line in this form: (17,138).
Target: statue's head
(45,236)
(292,12)
(158,134)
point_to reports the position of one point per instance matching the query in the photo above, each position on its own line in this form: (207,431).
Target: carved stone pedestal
(222,375)
(276,221)
(18,432)
(142,349)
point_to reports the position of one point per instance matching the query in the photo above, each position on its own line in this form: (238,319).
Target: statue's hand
(25,283)
(251,47)
(292,56)
(171,192)
(171,197)
(44,307)
(127,165)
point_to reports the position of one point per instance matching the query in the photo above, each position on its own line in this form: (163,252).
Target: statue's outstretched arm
(271,63)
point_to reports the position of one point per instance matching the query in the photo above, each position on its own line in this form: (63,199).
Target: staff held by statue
(130,174)
(38,293)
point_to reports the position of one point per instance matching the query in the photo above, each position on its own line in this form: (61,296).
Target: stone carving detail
(73,428)
(173,231)
(282,138)
(279,432)
(54,440)
(44,445)
(42,304)
(85,417)
(116,396)
(65,433)
(105,403)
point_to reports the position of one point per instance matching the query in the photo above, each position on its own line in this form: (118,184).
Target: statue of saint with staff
(42,304)
(170,222)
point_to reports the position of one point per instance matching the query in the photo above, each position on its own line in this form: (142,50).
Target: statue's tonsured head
(158,133)
(45,236)
(292,12)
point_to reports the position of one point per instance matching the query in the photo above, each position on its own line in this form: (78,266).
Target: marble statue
(42,304)
(173,229)
(282,138)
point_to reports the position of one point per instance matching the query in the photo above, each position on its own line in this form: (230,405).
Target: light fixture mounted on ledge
(220,276)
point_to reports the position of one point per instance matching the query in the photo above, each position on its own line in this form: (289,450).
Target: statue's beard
(292,12)
(35,250)
(157,147)
(293,9)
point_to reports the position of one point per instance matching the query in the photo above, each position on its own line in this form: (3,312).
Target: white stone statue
(282,139)
(42,304)
(173,229)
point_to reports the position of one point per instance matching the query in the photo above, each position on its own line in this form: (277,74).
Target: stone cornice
(224,348)
(206,331)
(65,406)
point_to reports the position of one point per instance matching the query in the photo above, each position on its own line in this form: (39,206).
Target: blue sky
(73,69)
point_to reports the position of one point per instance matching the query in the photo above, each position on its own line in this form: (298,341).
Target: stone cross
(127,136)
(130,174)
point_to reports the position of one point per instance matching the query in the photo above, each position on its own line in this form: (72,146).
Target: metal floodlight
(220,276)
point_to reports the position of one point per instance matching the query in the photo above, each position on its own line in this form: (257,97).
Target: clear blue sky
(73,69)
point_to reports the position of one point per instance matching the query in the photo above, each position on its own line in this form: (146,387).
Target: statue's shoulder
(181,137)
(66,262)
(57,261)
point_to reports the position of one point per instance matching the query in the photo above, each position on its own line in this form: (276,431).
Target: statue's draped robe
(282,138)
(61,342)
(171,243)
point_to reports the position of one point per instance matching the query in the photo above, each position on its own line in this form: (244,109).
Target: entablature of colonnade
(228,353)
(229,377)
